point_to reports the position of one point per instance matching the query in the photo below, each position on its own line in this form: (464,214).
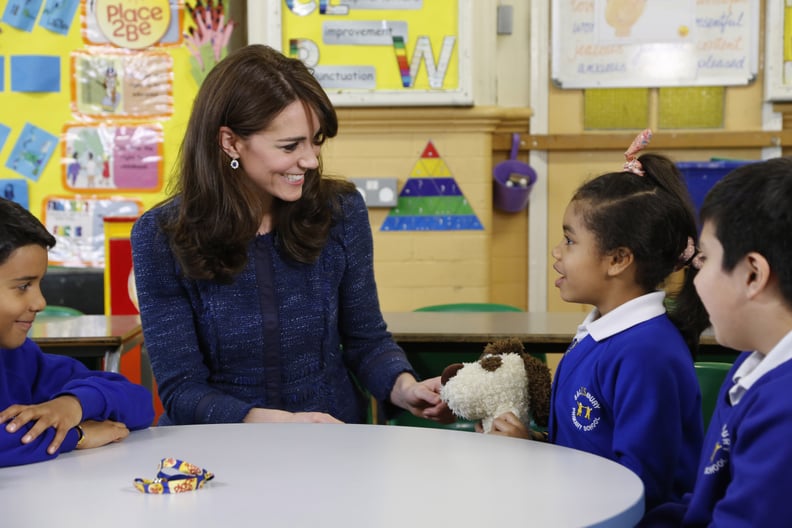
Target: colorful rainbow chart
(431,200)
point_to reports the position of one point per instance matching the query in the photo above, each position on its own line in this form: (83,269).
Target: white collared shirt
(755,366)
(621,318)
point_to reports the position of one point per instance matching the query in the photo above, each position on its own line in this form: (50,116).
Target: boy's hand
(97,434)
(62,413)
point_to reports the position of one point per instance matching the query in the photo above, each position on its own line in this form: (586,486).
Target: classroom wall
(742,110)
(56,106)
(419,268)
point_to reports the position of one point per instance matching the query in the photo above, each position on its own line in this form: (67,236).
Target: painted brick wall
(417,268)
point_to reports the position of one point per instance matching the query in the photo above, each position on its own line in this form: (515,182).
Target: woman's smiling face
(277,157)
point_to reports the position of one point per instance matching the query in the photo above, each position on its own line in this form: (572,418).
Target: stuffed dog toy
(505,378)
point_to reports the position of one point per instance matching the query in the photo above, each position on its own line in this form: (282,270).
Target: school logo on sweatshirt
(719,456)
(585,411)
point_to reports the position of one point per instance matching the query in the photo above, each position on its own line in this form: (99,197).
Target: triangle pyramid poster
(431,200)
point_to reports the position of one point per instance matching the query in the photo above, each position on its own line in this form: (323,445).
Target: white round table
(312,475)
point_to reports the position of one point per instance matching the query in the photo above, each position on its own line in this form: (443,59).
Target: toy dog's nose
(449,372)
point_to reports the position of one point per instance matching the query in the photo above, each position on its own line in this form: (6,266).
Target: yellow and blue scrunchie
(174,476)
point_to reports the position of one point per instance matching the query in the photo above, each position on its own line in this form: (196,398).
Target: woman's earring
(234,163)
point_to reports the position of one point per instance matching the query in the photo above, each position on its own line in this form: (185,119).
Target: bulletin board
(374,52)
(93,118)
(638,43)
(778,51)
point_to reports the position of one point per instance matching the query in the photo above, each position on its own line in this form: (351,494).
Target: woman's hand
(259,415)
(422,399)
(97,434)
(61,413)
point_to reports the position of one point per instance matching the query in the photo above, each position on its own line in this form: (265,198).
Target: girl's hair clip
(687,256)
(631,163)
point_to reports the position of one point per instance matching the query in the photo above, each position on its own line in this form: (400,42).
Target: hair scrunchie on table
(631,163)
(184,477)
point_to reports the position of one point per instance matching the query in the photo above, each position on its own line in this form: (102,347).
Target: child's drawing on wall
(74,169)
(635,21)
(622,14)
(98,82)
(88,155)
(101,157)
(106,181)
(15,190)
(90,170)
(112,96)
(31,152)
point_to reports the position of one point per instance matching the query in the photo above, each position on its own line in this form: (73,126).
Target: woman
(255,278)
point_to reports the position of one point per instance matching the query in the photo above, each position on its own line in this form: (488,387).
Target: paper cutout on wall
(431,200)
(93,34)
(77,223)
(106,84)
(4,131)
(35,73)
(32,151)
(21,14)
(16,191)
(58,15)
(206,35)
(110,158)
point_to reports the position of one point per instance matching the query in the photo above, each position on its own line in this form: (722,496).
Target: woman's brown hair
(219,209)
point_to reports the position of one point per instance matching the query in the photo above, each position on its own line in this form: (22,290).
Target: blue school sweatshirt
(633,398)
(745,472)
(28,376)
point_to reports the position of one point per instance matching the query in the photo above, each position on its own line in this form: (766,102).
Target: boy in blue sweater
(50,404)
(745,282)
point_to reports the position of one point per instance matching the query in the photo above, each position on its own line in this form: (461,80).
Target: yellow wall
(417,268)
(50,111)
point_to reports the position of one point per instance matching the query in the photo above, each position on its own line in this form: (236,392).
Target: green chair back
(711,375)
(59,311)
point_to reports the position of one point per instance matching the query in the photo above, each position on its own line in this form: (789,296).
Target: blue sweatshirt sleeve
(29,377)
(657,416)
(14,453)
(369,348)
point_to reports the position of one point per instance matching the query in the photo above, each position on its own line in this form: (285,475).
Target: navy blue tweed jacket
(205,339)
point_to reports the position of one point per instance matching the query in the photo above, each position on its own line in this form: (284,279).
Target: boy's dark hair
(18,228)
(653,216)
(751,210)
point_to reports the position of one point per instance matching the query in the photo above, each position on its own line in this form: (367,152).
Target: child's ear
(757,273)
(228,141)
(619,260)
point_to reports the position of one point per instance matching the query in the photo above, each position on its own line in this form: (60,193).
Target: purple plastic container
(512,198)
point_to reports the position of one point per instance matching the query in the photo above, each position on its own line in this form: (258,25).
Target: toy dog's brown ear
(539,381)
(449,372)
(510,345)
